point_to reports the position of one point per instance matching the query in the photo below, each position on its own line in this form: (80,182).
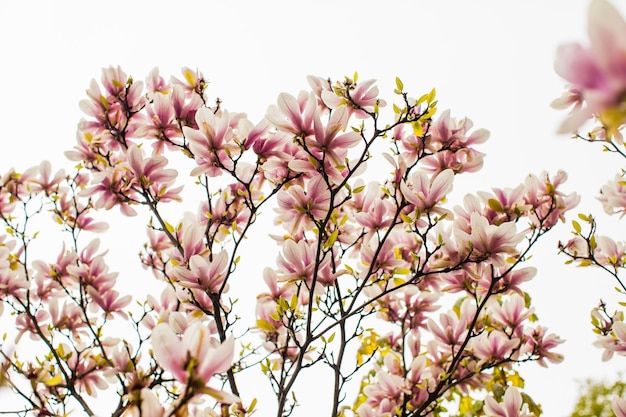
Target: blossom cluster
(362,261)
(597,77)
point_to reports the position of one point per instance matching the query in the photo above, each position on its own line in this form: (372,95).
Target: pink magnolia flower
(327,141)
(94,273)
(13,281)
(24,325)
(489,241)
(613,196)
(463,160)
(212,142)
(512,279)
(511,407)
(539,343)
(614,342)
(160,123)
(319,85)
(186,105)
(299,208)
(110,301)
(410,306)
(164,307)
(195,358)
(386,392)
(144,403)
(452,145)
(112,187)
(425,192)
(298,262)
(361,97)
(193,84)
(112,108)
(549,203)
(204,273)
(619,406)
(504,204)
(511,313)
(609,252)
(598,73)
(152,175)
(294,115)
(41,179)
(450,330)
(451,134)
(69,316)
(155,83)
(191,240)
(374,210)
(494,345)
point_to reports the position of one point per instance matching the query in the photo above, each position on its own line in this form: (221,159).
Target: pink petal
(169,351)
(216,360)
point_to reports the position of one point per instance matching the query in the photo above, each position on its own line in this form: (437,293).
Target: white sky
(489,60)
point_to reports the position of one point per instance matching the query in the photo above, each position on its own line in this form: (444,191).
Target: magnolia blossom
(494,345)
(511,407)
(297,262)
(195,358)
(161,124)
(548,202)
(112,187)
(619,406)
(212,143)
(329,141)
(374,210)
(609,252)
(450,330)
(425,192)
(300,207)
(511,313)
(144,403)
(451,145)
(361,97)
(204,273)
(540,343)
(489,241)
(294,115)
(42,180)
(598,73)
(614,342)
(613,196)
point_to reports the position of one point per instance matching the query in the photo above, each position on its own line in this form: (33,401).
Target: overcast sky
(489,60)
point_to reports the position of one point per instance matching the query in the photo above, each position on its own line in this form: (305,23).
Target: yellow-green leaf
(399,84)
(495,205)
(55,380)
(265,325)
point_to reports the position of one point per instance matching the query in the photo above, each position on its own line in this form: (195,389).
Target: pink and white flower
(597,73)
(195,358)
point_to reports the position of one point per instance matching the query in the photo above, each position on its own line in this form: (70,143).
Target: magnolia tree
(363,263)
(597,74)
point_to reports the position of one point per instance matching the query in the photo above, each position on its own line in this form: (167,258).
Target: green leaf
(495,205)
(577,227)
(265,325)
(399,84)
(55,380)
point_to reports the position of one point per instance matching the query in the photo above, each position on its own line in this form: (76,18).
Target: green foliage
(595,398)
